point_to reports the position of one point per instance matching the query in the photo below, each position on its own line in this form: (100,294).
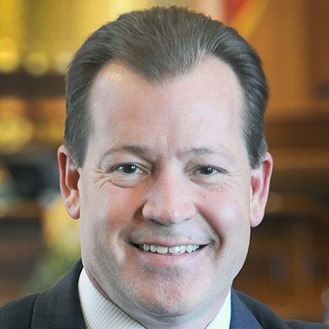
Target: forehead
(209,96)
(211,77)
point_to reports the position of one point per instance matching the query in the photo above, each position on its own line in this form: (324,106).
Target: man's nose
(169,200)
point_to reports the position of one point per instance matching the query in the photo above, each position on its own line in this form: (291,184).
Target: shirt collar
(99,312)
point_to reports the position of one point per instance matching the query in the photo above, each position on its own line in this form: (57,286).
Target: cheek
(228,215)
(107,211)
(101,223)
(227,211)
(94,214)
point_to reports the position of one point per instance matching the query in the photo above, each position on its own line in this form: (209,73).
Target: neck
(198,319)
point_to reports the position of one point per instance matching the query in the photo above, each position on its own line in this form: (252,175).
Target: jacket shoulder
(293,324)
(269,319)
(18,314)
(55,308)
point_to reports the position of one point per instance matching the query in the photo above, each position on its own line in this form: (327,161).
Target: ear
(69,178)
(260,185)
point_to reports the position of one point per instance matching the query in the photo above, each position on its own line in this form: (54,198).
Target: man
(166,165)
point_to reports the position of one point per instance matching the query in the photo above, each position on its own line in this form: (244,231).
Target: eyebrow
(133,149)
(145,153)
(201,150)
(205,150)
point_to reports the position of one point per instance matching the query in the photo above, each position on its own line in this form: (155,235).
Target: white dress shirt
(101,313)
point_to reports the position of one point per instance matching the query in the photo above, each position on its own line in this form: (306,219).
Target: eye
(207,171)
(207,175)
(128,169)
(127,174)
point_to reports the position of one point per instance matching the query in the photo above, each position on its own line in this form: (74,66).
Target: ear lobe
(260,185)
(69,178)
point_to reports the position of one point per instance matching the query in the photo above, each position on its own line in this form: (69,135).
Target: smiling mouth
(176,250)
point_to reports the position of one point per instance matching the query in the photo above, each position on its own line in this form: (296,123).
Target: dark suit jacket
(59,308)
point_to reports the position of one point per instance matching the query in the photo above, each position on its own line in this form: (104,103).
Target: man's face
(166,195)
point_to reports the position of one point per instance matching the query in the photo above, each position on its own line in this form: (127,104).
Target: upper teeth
(171,250)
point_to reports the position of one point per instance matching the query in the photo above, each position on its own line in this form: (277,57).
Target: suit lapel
(241,316)
(249,313)
(59,307)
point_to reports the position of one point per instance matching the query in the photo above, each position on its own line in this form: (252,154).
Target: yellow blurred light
(36,63)
(61,61)
(16,132)
(9,57)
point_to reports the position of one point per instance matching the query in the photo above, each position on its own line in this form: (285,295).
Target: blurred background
(288,264)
